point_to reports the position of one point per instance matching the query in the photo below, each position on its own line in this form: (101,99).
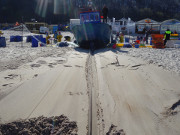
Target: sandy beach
(115,91)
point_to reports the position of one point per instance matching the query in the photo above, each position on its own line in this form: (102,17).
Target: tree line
(24,10)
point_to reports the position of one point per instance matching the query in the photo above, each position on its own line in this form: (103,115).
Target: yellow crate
(142,46)
(119,45)
(149,46)
(175,35)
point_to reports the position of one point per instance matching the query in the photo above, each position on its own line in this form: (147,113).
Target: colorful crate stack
(174,37)
(157,40)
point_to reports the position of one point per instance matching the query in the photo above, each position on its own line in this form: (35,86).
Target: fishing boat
(91,31)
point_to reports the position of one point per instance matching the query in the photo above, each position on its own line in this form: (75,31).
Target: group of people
(147,32)
(57,37)
(167,35)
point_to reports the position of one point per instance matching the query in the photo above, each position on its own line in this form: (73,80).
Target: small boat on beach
(91,31)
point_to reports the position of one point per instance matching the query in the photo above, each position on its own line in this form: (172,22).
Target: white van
(43,30)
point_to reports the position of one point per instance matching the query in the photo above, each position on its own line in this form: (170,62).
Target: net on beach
(20,35)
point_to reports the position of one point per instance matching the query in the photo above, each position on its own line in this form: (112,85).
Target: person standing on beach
(105,13)
(167,36)
(147,35)
(55,36)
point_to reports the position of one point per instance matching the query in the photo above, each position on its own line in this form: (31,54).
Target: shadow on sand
(118,50)
(79,49)
(101,50)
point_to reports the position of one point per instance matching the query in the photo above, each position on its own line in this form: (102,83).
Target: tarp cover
(2,42)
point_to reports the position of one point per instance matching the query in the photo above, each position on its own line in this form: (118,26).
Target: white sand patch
(168,58)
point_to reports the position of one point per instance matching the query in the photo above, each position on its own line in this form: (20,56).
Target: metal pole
(22,33)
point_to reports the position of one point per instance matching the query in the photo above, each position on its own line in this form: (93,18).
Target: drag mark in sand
(90,77)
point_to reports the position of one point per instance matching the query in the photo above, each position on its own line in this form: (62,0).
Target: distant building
(172,24)
(126,26)
(147,24)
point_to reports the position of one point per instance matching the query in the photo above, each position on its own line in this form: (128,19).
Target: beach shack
(172,24)
(147,24)
(34,27)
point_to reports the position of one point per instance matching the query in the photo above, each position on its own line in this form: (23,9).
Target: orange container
(138,41)
(157,35)
(157,41)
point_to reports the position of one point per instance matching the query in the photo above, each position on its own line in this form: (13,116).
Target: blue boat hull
(96,33)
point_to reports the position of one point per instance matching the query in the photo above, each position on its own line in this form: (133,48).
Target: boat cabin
(90,17)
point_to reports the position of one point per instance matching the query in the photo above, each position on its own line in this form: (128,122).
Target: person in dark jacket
(105,13)
(167,36)
(147,35)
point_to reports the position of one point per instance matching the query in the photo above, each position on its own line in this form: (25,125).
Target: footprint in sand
(60,61)
(135,67)
(60,55)
(35,65)
(6,84)
(53,63)
(41,62)
(67,66)
(76,93)
(11,76)
(51,66)
(35,75)
(78,66)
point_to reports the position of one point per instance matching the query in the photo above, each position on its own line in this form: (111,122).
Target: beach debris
(41,125)
(114,131)
(175,105)
(116,63)
(173,110)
